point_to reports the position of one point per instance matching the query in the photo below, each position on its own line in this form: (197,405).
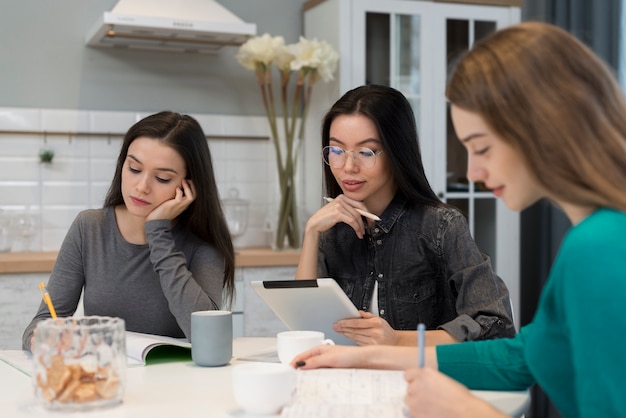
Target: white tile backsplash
(211,124)
(20,119)
(114,122)
(66,168)
(18,194)
(17,169)
(82,168)
(64,120)
(105,148)
(72,193)
(101,170)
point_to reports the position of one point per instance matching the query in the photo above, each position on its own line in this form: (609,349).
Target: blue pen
(421,331)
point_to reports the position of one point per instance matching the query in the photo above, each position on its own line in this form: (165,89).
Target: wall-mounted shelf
(72,134)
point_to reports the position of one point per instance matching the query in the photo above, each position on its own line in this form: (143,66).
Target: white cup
(291,343)
(263,388)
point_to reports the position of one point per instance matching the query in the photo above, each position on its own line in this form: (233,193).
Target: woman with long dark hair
(159,249)
(418,261)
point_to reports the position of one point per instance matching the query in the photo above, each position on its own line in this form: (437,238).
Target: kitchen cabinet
(410,46)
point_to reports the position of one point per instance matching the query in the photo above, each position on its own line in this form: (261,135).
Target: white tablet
(308,305)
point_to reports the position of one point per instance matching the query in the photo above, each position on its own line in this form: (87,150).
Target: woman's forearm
(395,357)
(307,264)
(433,338)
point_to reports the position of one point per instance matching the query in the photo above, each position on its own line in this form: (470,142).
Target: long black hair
(393,117)
(204,216)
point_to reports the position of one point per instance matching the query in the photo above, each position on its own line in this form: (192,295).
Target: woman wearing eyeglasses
(418,263)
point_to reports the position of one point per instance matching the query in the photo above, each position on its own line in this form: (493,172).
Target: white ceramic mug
(263,388)
(291,343)
(211,337)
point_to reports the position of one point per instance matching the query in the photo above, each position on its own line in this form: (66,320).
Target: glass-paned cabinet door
(395,34)
(473,199)
(392,57)
(407,68)
(460,35)
(476,202)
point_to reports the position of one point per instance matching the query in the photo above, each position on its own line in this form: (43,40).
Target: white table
(184,389)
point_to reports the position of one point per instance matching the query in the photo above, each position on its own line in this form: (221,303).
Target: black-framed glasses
(336,156)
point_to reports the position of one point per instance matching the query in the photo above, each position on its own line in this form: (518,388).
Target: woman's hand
(341,209)
(433,394)
(367,357)
(369,329)
(335,356)
(170,209)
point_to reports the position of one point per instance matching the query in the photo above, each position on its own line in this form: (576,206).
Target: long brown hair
(204,216)
(546,94)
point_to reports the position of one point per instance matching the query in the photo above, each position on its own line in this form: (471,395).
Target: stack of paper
(348,393)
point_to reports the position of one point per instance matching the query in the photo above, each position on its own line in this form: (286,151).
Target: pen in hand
(421,334)
(46,298)
(362,212)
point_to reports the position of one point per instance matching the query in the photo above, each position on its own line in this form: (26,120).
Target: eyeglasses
(336,156)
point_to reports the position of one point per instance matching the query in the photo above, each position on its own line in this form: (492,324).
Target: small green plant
(46,155)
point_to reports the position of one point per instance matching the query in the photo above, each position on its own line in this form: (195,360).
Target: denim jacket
(428,269)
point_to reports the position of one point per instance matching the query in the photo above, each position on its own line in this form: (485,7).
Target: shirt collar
(392,212)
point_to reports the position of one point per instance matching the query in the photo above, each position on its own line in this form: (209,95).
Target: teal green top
(575,346)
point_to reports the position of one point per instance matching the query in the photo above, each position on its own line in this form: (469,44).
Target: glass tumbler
(79,363)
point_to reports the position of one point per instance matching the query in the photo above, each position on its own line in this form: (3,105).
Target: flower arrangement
(309,60)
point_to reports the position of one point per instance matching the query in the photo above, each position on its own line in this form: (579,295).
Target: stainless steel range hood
(201,26)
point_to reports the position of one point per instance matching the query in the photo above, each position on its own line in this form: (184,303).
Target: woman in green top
(541,117)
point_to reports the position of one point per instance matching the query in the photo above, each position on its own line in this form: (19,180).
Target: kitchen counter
(42,262)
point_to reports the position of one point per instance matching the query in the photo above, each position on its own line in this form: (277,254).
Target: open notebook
(142,349)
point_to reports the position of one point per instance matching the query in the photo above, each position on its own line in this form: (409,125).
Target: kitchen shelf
(42,262)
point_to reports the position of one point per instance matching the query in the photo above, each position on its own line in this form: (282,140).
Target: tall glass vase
(287,225)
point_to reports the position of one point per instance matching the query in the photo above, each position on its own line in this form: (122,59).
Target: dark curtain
(597,24)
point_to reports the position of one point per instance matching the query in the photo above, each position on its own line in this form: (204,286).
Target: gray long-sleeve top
(154,287)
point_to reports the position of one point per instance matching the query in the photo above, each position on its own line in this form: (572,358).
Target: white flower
(311,60)
(283,58)
(314,56)
(328,61)
(306,54)
(260,49)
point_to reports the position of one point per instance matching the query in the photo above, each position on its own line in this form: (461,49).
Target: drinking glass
(25,229)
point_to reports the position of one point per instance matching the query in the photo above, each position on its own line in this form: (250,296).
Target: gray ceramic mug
(211,338)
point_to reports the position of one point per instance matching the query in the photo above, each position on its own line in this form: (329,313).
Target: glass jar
(79,363)
(6,233)
(236,213)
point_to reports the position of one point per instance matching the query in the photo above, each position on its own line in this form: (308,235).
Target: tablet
(308,305)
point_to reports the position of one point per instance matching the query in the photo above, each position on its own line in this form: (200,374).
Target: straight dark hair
(393,117)
(204,216)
